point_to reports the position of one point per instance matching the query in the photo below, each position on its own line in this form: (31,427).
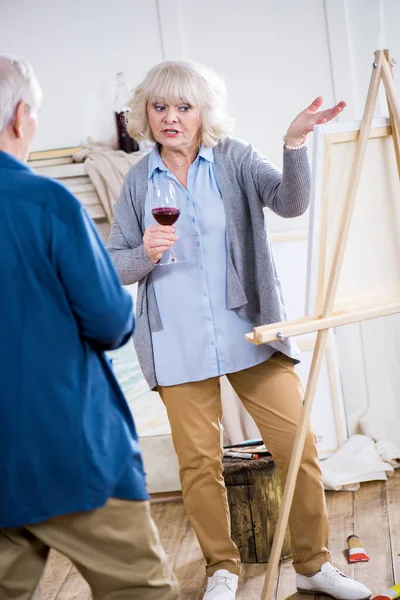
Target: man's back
(66,434)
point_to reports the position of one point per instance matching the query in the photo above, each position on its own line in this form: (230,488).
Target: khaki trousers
(273,395)
(116,548)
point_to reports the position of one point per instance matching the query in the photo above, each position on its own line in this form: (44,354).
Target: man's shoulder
(36,190)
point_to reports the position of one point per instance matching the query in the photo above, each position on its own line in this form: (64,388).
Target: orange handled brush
(356,551)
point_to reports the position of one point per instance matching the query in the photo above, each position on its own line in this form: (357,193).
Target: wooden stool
(254,496)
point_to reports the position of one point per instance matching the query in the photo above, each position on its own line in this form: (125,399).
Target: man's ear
(21,110)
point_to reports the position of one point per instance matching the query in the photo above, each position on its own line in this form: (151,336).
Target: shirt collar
(207,154)
(7,161)
(155,161)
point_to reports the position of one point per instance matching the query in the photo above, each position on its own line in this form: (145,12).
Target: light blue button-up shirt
(200,338)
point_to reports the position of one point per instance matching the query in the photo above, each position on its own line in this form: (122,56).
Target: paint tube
(356,551)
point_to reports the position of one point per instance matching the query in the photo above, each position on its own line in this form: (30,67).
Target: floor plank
(57,571)
(371,525)
(373,513)
(341,525)
(182,548)
(251,582)
(393,505)
(287,583)
(74,587)
(171,521)
(189,566)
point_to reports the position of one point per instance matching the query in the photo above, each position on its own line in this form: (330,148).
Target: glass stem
(172,255)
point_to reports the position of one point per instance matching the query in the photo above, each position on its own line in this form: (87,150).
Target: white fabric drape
(358,460)
(106,168)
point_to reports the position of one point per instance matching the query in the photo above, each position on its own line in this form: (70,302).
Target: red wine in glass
(164,203)
(165,215)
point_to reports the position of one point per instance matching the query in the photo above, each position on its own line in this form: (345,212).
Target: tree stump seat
(254,496)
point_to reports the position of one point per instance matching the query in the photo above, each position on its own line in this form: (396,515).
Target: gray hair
(17,83)
(181,81)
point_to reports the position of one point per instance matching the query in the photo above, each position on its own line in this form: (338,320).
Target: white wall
(276,56)
(270,72)
(76,48)
(356,29)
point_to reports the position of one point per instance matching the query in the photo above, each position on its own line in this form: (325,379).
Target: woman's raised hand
(304,123)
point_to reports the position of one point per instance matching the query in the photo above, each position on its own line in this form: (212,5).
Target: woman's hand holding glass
(157,239)
(165,208)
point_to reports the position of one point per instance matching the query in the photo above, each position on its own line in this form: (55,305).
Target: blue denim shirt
(67,438)
(200,337)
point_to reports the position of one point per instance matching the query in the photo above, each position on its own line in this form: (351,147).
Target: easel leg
(395,125)
(294,466)
(388,81)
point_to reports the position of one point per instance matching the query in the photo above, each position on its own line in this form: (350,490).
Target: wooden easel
(382,71)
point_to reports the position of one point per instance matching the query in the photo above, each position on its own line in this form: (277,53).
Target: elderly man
(70,468)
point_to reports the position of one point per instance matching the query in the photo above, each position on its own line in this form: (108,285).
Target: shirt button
(205,294)
(208,318)
(193,220)
(197,243)
(201,267)
(212,344)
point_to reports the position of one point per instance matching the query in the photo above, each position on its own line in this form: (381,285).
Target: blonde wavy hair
(187,82)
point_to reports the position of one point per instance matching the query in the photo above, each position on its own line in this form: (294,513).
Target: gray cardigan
(248,183)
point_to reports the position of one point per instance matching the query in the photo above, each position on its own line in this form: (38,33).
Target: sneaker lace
(334,574)
(222,580)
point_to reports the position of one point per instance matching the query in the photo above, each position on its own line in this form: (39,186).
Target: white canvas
(371,266)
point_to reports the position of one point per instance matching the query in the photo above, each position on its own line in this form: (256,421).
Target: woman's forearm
(131,264)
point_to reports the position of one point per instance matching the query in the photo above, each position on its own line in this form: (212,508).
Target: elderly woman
(192,316)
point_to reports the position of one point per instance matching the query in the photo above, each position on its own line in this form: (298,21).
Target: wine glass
(164,204)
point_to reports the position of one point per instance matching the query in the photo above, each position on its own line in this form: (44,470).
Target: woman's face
(175,127)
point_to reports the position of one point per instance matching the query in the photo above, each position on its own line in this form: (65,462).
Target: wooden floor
(373,513)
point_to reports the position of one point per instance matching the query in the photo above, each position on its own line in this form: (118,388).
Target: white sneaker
(331,582)
(221,586)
